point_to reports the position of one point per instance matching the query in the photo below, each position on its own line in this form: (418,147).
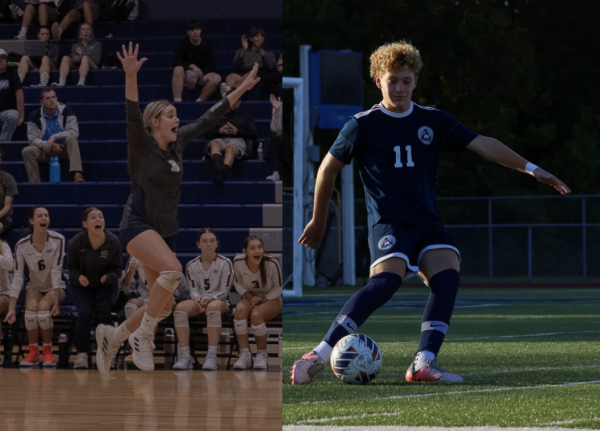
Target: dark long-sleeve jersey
(156,174)
(202,55)
(94,264)
(243,121)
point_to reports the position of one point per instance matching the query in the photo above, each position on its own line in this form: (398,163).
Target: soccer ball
(356,359)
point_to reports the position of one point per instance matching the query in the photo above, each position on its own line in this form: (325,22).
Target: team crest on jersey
(174,166)
(104,254)
(425,135)
(386,242)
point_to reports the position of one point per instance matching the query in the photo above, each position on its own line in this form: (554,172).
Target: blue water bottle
(54,170)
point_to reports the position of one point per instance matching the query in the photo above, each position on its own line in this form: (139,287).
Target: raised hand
(275,102)
(251,80)
(244,42)
(547,178)
(129,60)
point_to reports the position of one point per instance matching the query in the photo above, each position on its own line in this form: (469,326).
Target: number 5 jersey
(214,283)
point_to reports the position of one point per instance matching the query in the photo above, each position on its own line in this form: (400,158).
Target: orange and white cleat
(32,359)
(49,361)
(306,369)
(431,372)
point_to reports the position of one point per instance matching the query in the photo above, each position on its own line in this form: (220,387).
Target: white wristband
(529,168)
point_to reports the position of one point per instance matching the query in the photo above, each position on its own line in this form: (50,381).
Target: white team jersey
(142,286)
(246,280)
(45,267)
(6,264)
(214,283)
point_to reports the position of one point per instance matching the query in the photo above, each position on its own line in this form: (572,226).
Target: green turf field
(529,357)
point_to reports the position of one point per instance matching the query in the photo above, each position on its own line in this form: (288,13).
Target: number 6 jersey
(397,155)
(45,267)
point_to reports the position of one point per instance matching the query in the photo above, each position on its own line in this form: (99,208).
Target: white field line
(475,338)
(349,417)
(571,421)
(420,428)
(475,391)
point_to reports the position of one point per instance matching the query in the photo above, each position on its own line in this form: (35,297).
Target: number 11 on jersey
(409,161)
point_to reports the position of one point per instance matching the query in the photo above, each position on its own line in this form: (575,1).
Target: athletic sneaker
(210,363)
(306,369)
(260,362)
(244,362)
(143,350)
(107,348)
(49,361)
(430,372)
(274,177)
(32,359)
(81,362)
(184,363)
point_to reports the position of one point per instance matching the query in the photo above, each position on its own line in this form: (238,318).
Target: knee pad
(240,326)
(169,280)
(181,319)
(213,319)
(163,315)
(260,330)
(45,320)
(130,309)
(31,320)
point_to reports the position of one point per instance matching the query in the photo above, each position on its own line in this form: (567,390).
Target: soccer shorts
(407,241)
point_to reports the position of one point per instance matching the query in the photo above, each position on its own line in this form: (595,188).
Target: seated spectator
(45,11)
(258,280)
(42,250)
(94,267)
(194,63)
(209,277)
(244,59)
(52,131)
(276,142)
(8,189)
(84,10)
(6,265)
(46,63)
(272,80)
(227,140)
(12,105)
(85,56)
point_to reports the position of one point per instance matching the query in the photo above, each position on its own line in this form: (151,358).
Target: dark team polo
(397,156)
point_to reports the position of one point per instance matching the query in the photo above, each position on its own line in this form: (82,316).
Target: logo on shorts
(386,242)
(425,135)
(174,166)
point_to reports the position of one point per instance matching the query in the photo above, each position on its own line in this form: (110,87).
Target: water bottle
(63,351)
(259,152)
(8,347)
(54,170)
(169,348)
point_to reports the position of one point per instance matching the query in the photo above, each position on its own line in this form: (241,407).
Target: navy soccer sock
(362,304)
(438,311)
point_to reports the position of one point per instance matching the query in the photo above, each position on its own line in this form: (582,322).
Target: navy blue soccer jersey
(397,155)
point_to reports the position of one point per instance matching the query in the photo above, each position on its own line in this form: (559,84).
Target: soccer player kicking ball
(397,144)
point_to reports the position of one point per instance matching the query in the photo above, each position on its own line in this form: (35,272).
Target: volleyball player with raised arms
(155,145)
(42,250)
(397,144)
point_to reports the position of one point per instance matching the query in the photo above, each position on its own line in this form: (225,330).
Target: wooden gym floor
(68,400)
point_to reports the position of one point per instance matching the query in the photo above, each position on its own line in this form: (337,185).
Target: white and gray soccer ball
(356,359)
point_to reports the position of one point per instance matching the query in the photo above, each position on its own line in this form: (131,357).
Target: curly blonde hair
(394,57)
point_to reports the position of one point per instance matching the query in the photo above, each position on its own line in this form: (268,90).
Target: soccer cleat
(210,363)
(143,350)
(244,362)
(49,361)
(81,362)
(431,372)
(184,363)
(32,359)
(306,369)
(107,348)
(261,360)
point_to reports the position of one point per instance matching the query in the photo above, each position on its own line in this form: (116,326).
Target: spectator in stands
(46,63)
(42,250)
(8,189)
(44,10)
(84,10)
(246,57)
(276,142)
(194,63)
(258,280)
(52,131)
(6,265)
(12,105)
(85,56)
(227,140)
(272,80)
(209,276)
